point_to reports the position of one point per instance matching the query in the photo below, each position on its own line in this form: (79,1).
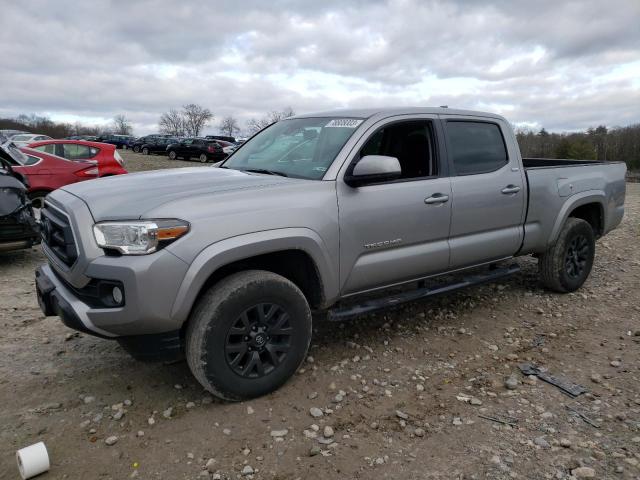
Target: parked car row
(204,149)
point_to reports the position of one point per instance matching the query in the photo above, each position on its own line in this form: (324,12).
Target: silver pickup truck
(328,212)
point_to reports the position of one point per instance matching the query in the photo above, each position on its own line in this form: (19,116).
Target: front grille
(57,235)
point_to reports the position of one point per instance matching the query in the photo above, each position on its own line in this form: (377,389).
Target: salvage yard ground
(405,394)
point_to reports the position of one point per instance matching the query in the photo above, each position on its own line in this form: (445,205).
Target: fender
(249,245)
(577,200)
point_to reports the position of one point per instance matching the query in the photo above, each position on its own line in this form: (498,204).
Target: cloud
(564,65)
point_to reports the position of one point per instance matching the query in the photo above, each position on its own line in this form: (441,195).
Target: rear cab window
(475,147)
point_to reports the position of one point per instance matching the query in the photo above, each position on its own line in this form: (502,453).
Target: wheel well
(592,213)
(295,265)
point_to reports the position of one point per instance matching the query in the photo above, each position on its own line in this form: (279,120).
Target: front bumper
(56,298)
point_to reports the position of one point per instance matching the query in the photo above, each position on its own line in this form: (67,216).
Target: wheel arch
(297,254)
(589,206)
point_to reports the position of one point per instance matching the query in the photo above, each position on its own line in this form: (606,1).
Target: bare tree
(195,118)
(274,116)
(172,123)
(121,125)
(229,126)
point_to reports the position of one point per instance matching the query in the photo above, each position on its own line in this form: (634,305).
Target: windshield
(300,148)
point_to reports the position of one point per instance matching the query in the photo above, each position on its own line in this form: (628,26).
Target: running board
(339,314)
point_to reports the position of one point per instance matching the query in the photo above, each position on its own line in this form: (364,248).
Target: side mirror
(373,169)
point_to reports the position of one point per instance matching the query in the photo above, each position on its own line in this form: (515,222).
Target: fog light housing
(117,295)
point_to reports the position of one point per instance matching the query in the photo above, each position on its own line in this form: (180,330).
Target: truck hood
(130,196)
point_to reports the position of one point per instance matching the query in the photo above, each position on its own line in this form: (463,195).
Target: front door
(488,190)
(396,231)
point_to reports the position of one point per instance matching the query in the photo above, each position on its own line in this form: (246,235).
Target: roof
(391,111)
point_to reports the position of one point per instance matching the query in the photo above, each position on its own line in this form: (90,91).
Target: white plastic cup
(32,460)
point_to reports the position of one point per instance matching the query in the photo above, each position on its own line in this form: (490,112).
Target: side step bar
(339,314)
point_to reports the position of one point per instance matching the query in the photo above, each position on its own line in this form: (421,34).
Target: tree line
(599,143)
(192,119)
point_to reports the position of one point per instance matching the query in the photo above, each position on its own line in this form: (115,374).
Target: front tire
(567,264)
(136,149)
(145,151)
(203,158)
(173,155)
(248,335)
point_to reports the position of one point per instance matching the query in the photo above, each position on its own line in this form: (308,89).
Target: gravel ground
(405,394)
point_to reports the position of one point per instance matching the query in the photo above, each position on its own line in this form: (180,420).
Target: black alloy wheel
(577,256)
(259,340)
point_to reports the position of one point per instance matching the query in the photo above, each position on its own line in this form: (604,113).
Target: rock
(420,387)
(118,415)
(583,472)
(151,420)
(419,432)
(596,378)
(112,440)
(402,415)
(315,412)
(475,401)
(247,470)
(565,442)
(211,465)
(127,403)
(216,476)
(379,461)
(190,405)
(250,411)
(140,433)
(312,395)
(168,412)
(279,433)
(511,382)
(615,363)
(89,399)
(315,450)
(541,442)
(457,421)
(226,431)
(327,432)
(493,348)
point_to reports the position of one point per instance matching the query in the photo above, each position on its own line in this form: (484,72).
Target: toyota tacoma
(340,213)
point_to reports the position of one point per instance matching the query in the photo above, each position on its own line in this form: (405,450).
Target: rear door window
(476,147)
(50,148)
(77,152)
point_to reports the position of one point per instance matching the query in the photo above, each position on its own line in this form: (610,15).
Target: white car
(24,139)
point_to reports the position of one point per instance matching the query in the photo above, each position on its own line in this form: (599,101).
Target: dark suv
(120,141)
(155,145)
(203,149)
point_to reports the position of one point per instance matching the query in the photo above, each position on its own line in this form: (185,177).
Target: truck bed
(557,162)
(556,185)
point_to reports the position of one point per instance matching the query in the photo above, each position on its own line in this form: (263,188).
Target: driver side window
(411,142)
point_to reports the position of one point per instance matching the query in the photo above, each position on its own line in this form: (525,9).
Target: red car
(109,160)
(46,172)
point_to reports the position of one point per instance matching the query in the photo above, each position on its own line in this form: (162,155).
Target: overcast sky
(558,64)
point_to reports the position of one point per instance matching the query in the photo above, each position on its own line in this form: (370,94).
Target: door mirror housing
(373,169)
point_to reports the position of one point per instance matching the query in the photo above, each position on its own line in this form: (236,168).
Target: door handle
(436,198)
(510,189)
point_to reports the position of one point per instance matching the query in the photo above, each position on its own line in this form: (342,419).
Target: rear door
(488,189)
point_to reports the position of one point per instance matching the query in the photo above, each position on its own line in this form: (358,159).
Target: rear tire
(248,334)
(136,149)
(567,264)
(173,155)
(203,158)
(145,151)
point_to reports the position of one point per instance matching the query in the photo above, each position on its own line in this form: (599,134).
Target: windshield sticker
(344,123)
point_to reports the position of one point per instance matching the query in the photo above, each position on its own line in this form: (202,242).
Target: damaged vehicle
(18,227)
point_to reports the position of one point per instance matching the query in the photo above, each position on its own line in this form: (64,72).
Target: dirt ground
(406,394)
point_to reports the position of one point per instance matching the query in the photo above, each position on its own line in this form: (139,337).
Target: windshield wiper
(264,170)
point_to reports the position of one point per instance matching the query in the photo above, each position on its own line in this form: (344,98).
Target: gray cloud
(564,65)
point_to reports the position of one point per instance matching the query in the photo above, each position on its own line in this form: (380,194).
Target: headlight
(138,237)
